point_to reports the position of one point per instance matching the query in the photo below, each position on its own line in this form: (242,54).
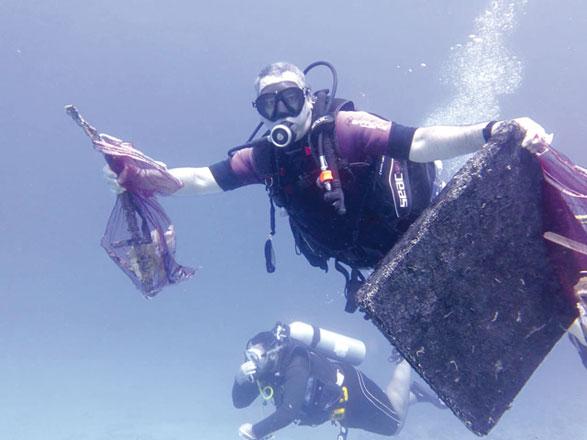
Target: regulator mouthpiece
(281,135)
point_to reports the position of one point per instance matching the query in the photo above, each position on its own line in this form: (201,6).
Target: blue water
(82,355)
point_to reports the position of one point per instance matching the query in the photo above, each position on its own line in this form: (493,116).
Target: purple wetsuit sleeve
(362,135)
(236,171)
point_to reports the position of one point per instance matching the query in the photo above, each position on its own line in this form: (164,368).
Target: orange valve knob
(326,176)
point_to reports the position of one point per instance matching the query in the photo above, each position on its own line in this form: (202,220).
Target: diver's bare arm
(196,181)
(445,142)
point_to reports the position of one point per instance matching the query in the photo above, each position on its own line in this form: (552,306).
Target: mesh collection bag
(139,237)
(565,216)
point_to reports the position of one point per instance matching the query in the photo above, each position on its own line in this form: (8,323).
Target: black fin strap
(353,282)
(357,280)
(269,252)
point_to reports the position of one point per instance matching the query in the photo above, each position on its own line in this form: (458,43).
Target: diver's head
(284,97)
(263,350)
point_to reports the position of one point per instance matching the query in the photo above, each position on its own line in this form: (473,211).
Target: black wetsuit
(367,408)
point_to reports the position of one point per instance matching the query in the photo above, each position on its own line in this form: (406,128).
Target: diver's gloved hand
(246,431)
(246,372)
(112,180)
(335,197)
(535,136)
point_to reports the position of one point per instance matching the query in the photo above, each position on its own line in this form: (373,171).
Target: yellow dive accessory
(266,391)
(338,413)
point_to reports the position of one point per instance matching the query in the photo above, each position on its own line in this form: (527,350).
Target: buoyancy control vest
(383,197)
(322,393)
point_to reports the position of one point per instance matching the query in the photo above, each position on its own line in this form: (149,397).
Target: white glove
(535,136)
(246,431)
(246,372)
(112,180)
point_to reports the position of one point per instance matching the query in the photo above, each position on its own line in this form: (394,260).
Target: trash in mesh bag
(139,236)
(565,216)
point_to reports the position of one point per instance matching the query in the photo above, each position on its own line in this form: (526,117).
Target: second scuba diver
(310,375)
(351,182)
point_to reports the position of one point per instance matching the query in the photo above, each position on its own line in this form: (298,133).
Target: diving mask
(255,354)
(264,360)
(280,100)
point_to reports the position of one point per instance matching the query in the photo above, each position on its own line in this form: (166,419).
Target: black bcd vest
(322,393)
(383,197)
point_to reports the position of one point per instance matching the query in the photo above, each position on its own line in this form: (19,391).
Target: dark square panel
(468,296)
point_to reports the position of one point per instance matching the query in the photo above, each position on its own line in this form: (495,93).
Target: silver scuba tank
(328,343)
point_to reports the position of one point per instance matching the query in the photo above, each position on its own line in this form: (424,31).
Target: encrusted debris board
(468,296)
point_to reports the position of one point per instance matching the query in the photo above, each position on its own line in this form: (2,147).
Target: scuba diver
(311,377)
(351,182)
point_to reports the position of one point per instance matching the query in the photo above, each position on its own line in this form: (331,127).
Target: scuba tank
(330,344)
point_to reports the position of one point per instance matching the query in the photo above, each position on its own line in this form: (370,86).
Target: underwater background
(82,354)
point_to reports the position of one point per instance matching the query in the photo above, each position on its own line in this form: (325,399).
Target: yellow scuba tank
(330,344)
